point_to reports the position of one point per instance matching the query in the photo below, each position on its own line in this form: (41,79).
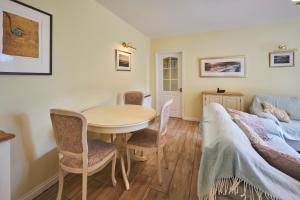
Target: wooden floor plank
(180,187)
(50,194)
(196,166)
(179,180)
(105,174)
(173,147)
(156,195)
(111,193)
(94,189)
(138,189)
(73,186)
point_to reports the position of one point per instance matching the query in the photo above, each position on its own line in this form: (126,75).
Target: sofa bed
(231,168)
(291,130)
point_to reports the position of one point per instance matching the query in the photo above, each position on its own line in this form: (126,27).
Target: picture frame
(25,39)
(282,59)
(230,66)
(123,60)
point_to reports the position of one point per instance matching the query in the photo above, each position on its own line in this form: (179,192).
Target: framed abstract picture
(282,59)
(223,67)
(123,61)
(25,39)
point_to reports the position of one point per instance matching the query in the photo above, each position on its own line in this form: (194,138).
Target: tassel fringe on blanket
(230,186)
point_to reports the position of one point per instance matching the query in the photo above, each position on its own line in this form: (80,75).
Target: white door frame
(157,83)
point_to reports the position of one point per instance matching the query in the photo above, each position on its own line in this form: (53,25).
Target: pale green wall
(253,42)
(85,36)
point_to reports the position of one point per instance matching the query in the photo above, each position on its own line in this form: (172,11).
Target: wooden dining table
(119,120)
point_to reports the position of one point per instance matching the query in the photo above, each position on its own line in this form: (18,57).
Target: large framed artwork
(123,61)
(25,39)
(282,59)
(234,66)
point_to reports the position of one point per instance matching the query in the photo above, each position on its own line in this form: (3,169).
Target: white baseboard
(36,191)
(194,119)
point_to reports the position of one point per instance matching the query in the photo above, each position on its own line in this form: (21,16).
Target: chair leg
(113,170)
(125,178)
(60,183)
(84,185)
(128,161)
(165,157)
(159,166)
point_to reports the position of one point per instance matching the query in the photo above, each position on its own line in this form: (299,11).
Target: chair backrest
(134,98)
(164,118)
(70,130)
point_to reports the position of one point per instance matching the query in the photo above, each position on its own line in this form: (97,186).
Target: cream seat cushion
(97,151)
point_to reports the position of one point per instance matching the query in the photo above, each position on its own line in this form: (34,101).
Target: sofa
(230,167)
(291,130)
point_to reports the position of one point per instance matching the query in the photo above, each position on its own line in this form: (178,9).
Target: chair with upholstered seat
(134,98)
(77,154)
(151,141)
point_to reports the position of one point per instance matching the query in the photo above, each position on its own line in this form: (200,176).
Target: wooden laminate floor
(179,181)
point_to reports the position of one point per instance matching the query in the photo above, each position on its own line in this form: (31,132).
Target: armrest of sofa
(256,106)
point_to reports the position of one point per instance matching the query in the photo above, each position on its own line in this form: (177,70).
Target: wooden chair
(151,141)
(77,154)
(134,98)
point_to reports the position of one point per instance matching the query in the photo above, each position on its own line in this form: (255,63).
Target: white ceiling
(158,18)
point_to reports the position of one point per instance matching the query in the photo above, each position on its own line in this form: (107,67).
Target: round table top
(118,118)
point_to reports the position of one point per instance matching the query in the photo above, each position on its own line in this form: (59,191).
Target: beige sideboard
(234,100)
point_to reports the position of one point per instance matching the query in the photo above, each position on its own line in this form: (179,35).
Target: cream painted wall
(85,36)
(254,42)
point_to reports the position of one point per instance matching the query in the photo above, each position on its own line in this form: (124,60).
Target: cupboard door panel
(212,99)
(232,102)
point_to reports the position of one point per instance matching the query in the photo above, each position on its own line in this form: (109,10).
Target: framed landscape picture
(223,67)
(282,59)
(123,61)
(25,39)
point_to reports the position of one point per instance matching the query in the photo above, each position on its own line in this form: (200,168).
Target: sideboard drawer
(228,100)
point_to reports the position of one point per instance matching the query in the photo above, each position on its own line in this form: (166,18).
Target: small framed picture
(234,66)
(25,39)
(123,61)
(282,59)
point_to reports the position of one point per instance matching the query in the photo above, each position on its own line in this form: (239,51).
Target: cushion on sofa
(285,163)
(252,121)
(291,104)
(280,114)
(249,132)
(269,116)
